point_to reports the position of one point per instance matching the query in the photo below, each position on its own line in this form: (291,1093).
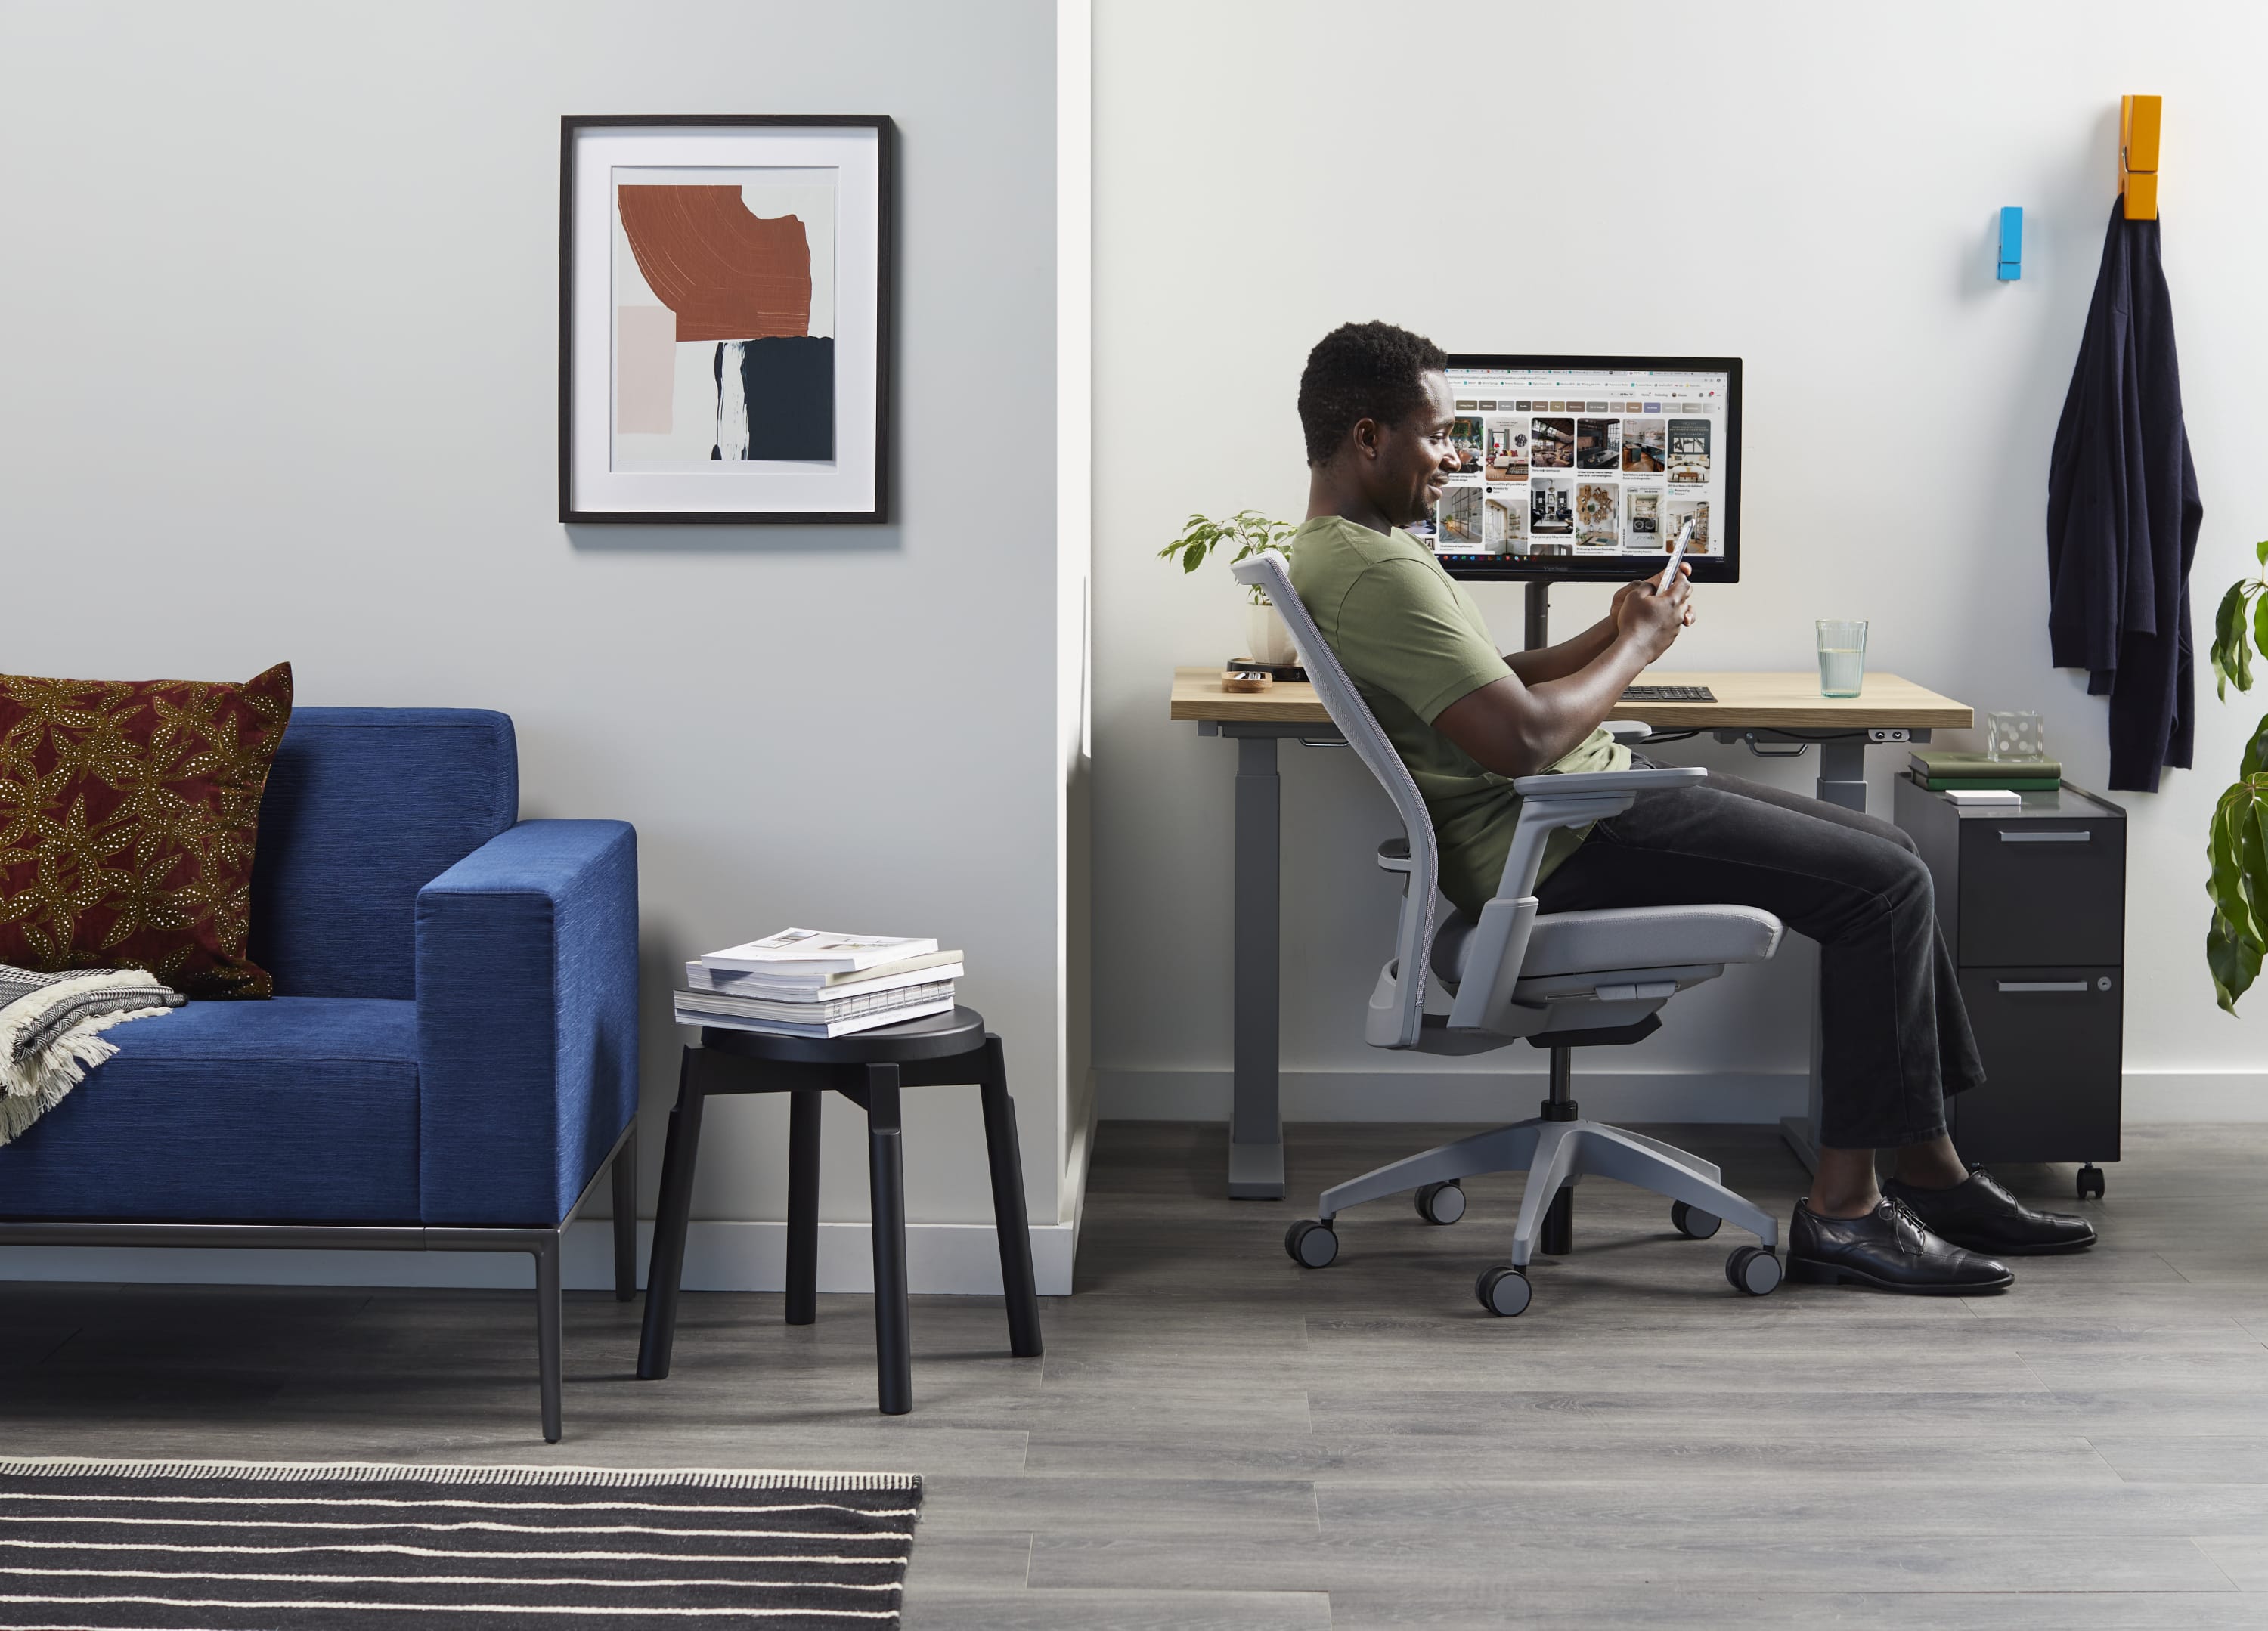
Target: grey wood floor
(1217,1438)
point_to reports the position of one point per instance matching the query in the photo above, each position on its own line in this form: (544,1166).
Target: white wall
(278,304)
(1814,189)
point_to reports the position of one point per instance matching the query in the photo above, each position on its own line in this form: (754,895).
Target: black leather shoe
(1888,1249)
(1978,1214)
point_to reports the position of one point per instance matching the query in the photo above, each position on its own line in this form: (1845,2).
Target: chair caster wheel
(1440,1203)
(1504,1290)
(1692,1222)
(1311,1245)
(1753,1270)
(2090,1182)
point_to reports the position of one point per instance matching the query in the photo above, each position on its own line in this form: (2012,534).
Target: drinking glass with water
(1841,656)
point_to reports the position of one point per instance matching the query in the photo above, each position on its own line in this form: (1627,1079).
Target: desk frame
(1255,1123)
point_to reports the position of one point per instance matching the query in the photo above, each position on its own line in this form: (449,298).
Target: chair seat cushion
(1624,938)
(294,1110)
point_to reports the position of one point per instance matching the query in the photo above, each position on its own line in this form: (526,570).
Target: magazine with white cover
(817,950)
(789,984)
(931,992)
(837,1028)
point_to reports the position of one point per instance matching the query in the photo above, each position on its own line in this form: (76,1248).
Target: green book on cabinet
(1938,764)
(2012,783)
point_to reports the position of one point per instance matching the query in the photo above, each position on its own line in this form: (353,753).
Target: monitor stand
(1538,632)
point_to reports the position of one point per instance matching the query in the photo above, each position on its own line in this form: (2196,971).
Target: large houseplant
(1266,636)
(2238,843)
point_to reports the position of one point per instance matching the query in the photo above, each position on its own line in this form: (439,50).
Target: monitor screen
(1579,467)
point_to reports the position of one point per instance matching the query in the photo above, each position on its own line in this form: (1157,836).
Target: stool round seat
(933,1036)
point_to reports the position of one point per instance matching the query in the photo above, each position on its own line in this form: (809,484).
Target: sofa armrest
(528,1031)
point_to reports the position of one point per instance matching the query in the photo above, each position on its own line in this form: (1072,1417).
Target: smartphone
(1676,554)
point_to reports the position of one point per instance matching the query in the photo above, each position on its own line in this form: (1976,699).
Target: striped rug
(198,1545)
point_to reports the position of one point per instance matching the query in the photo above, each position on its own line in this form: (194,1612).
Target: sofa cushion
(128,814)
(299,1110)
(366,806)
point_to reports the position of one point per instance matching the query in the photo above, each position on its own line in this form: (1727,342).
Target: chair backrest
(364,808)
(1270,572)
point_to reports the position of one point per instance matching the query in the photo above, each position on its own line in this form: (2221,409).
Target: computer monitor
(1584,468)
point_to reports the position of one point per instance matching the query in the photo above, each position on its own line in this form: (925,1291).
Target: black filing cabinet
(2033,903)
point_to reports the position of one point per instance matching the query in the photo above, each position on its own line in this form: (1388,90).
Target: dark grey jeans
(1894,1036)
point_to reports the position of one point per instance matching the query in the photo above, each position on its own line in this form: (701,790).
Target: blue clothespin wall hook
(2012,244)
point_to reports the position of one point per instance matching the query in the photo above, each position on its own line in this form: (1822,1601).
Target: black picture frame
(572,125)
(1722,567)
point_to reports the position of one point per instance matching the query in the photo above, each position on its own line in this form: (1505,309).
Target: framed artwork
(725,318)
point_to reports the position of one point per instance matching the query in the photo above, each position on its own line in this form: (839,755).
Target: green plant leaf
(2235,963)
(2261,550)
(2231,657)
(2237,883)
(2259,630)
(2256,750)
(2224,854)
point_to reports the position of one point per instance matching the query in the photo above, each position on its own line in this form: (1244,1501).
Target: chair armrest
(1593,783)
(1628,730)
(527,1029)
(1547,804)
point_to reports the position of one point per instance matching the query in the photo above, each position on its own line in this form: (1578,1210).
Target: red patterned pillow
(128,813)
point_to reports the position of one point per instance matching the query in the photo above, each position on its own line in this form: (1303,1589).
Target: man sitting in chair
(1466,719)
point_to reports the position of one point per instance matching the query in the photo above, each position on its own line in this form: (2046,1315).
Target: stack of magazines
(810,982)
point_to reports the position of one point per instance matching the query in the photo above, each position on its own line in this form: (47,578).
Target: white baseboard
(950,1259)
(2177,1096)
(1456,1095)
(2149,1096)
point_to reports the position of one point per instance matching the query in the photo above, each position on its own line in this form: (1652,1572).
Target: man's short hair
(1363,371)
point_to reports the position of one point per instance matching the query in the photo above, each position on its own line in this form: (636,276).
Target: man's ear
(1365,436)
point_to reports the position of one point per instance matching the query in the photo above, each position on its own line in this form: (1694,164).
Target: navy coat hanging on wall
(2124,513)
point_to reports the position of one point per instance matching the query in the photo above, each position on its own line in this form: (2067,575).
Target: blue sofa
(451,1057)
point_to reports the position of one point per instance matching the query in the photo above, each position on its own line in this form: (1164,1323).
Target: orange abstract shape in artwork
(728,274)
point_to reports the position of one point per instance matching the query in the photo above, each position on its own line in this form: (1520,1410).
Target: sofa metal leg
(886,1181)
(1010,1220)
(626,1175)
(666,1265)
(547,1333)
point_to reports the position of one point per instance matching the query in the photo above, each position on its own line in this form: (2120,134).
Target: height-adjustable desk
(1784,709)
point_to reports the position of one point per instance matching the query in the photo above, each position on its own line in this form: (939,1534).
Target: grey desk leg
(1255,1127)
(1802,1132)
(1843,772)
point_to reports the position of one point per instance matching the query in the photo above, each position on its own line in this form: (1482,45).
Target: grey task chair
(1558,980)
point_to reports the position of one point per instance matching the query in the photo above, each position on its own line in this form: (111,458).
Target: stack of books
(810,982)
(1946,772)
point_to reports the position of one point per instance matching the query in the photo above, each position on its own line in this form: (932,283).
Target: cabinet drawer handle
(2007,837)
(2039,985)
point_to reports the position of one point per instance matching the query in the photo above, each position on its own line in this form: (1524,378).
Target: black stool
(867,1069)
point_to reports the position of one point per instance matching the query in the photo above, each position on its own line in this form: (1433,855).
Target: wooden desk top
(1789,701)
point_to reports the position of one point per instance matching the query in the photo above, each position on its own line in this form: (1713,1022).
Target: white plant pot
(1267,636)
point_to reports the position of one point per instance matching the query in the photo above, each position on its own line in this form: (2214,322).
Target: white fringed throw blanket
(50,1028)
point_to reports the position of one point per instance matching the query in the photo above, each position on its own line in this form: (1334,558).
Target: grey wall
(1815,188)
(278,305)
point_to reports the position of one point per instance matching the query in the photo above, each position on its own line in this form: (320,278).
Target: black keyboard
(1668,693)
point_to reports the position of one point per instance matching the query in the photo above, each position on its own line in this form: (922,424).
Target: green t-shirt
(1413,641)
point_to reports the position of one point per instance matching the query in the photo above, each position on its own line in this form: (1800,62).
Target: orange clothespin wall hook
(2138,118)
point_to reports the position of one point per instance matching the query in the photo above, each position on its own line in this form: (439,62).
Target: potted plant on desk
(2238,844)
(1267,637)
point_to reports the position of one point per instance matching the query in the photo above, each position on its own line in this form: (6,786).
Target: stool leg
(887,1178)
(666,1265)
(1009,1220)
(803,1206)
(625,1218)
